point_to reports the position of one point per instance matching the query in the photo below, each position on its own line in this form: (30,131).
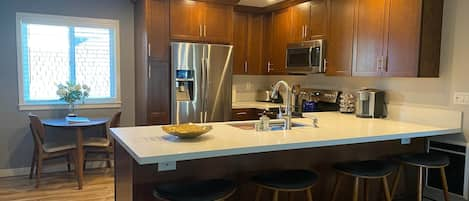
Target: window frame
(33,18)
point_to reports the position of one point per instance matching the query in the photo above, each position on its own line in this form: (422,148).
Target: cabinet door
(318,20)
(240,43)
(404,38)
(186,20)
(280,36)
(370,38)
(300,22)
(218,23)
(340,37)
(254,45)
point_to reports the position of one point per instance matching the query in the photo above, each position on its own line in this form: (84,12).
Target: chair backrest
(116,120)
(37,129)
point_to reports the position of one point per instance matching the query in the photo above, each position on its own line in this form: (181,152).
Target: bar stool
(289,181)
(421,161)
(207,190)
(372,169)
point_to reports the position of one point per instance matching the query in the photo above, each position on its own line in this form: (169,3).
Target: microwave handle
(325,65)
(310,57)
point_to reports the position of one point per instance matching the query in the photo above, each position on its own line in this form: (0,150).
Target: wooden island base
(134,182)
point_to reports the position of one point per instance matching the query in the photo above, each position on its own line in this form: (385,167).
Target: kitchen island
(230,152)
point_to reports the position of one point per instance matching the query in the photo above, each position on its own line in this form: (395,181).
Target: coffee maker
(371,103)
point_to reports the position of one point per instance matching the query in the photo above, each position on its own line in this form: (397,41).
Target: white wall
(436,92)
(16,144)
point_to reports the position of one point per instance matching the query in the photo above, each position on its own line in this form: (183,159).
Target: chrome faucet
(288,113)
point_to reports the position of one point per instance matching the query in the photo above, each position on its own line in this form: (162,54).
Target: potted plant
(71,93)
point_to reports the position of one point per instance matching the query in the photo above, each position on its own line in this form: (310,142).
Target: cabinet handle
(306,32)
(385,63)
(149,49)
(245,66)
(149,70)
(380,63)
(205,30)
(269,67)
(200,30)
(241,113)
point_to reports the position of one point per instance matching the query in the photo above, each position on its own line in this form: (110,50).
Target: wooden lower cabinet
(134,182)
(245,114)
(159,98)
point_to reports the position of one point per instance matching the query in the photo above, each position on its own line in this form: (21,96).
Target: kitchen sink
(273,126)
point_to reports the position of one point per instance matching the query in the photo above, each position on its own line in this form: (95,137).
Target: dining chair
(46,150)
(102,145)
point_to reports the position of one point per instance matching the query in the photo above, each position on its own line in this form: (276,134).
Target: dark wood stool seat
(208,190)
(421,161)
(372,169)
(289,181)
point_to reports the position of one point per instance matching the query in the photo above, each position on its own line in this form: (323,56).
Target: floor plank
(98,186)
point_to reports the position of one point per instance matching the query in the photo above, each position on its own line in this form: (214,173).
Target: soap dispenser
(265,122)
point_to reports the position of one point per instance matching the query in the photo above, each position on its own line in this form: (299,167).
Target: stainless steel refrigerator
(201,82)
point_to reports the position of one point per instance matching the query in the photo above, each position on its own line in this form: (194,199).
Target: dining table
(78,127)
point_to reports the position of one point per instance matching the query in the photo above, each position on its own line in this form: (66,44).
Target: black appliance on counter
(317,100)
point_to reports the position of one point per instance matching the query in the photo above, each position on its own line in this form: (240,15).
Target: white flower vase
(71,110)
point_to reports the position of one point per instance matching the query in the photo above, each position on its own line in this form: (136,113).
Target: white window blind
(57,49)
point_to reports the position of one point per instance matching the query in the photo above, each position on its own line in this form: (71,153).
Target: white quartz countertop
(150,144)
(254,104)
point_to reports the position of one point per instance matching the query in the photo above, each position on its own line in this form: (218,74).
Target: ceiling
(258,3)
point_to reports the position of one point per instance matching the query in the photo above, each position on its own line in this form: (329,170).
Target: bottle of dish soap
(265,122)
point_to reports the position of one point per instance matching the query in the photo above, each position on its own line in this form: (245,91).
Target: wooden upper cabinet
(318,22)
(247,41)
(414,38)
(369,38)
(255,44)
(280,37)
(218,23)
(240,43)
(309,20)
(340,37)
(300,23)
(201,22)
(186,20)
(404,35)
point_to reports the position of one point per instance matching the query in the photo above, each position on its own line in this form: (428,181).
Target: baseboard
(47,169)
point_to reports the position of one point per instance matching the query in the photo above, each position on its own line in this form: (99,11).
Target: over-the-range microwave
(306,57)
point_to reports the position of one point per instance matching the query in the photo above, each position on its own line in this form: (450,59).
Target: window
(54,50)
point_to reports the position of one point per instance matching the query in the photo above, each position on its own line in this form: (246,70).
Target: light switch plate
(169,166)
(461,98)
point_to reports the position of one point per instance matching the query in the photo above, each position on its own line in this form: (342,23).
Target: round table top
(63,123)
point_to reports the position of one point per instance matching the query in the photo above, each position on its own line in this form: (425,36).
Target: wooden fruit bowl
(186,131)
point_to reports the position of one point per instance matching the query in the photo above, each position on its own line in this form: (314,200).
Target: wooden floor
(98,186)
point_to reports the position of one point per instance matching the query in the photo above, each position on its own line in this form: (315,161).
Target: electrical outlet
(461,98)
(169,166)
(405,141)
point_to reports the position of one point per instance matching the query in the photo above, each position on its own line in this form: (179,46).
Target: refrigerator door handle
(206,87)
(202,113)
